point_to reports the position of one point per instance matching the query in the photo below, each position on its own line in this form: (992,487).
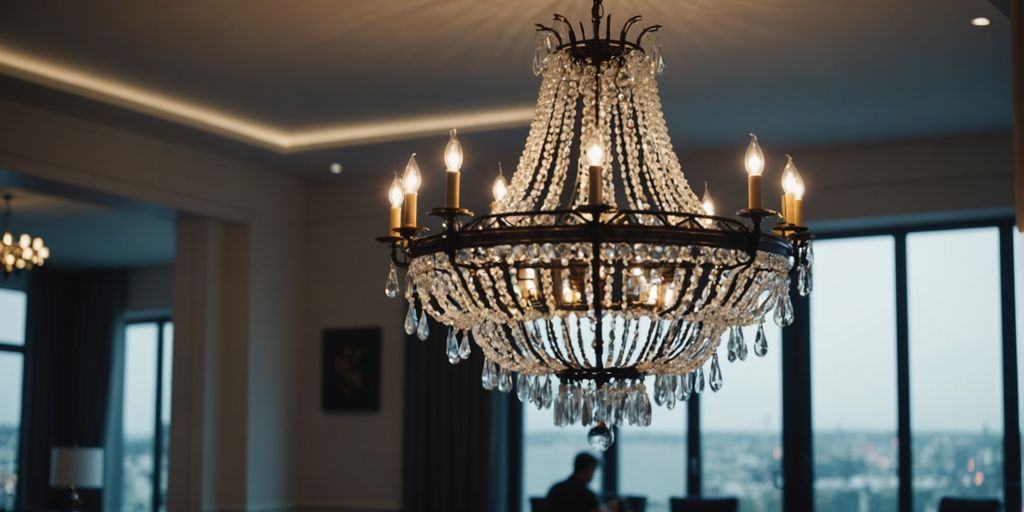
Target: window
(741,428)
(548,453)
(146,416)
(652,460)
(955,364)
(906,336)
(13,304)
(853,372)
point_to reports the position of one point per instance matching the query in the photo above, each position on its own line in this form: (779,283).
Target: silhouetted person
(572,494)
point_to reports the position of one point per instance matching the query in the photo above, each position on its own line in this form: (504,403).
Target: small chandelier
(22,253)
(598,265)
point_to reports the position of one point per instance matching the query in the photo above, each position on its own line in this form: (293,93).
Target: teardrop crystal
(803,280)
(760,342)
(522,387)
(410,319)
(423,330)
(452,347)
(391,283)
(741,347)
(487,377)
(464,348)
(600,437)
(683,390)
(698,380)
(784,311)
(504,380)
(716,374)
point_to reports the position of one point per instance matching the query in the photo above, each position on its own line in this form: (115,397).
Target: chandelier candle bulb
(453,161)
(754,162)
(595,157)
(798,201)
(395,196)
(789,179)
(411,180)
(499,189)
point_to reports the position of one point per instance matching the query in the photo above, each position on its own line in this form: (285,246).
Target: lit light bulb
(411,179)
(798,187)
(754,159)
(595,154)
(8,238)
(25,241)
(395,194)
(790,177)
(500,187)
(453,153)
(708,202)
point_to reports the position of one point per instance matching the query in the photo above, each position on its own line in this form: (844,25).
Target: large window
(146,416)
(652,460)
(903,338)
(853,372)
(12,341)
(955,364)
(741,428)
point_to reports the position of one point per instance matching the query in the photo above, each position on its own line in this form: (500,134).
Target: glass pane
(165,413)
(548,453)
(10,421)
(955,365)
(853,374)
(12,316)
(652,460)
(140,357)
(741,427)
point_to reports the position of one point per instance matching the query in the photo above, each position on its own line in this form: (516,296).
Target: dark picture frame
(350,374)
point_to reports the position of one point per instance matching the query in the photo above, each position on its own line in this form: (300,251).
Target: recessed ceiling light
(981,21)
(336,168)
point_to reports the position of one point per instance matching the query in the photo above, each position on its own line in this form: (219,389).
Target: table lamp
(76,468)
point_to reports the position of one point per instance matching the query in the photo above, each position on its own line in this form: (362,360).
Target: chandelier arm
(627,26)
(542,28)
(568,27)
(652,28)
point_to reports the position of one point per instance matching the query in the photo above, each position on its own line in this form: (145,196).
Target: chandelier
(23,252)
(598,265)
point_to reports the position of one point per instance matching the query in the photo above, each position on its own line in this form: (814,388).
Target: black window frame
(797,431)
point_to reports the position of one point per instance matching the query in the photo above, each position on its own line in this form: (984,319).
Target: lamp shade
(77,467)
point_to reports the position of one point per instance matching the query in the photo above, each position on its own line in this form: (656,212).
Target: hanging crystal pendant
(423,330)
(784,311)
(523,387)
(761,342)
(488,378)
(716,374)
(683,390)
(741,346)
(803,280)
(600,437)
(464,348)
(734,340)
(504,380)
(391,283)
(698,380)
(546,394)
(452,347)
(410,319)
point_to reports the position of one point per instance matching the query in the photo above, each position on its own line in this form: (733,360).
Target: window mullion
(1011,404)
(903,376)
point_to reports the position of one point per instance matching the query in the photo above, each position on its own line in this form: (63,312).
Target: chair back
(537,504)
(948,504)
(634,504)
(704,504)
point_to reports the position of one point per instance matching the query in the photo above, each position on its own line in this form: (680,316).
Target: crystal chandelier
(23,252)
(598,265)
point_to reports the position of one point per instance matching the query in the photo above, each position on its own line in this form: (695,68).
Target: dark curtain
(73,320)
(448,430)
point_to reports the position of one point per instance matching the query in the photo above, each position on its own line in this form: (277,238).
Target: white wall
(255,336)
